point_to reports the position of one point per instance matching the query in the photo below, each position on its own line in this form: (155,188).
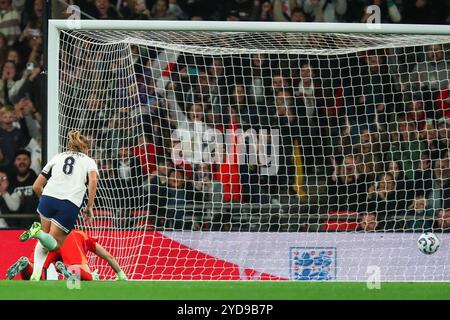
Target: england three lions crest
(312,264)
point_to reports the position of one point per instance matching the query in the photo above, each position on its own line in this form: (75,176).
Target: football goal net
(269,151)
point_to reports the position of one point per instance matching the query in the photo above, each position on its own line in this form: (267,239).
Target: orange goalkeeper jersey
(76,247)
(73,250)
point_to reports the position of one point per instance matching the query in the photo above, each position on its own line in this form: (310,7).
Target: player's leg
(62,268)
(40,231)
(18,267)
(41,252)
(81,272)
(63,218)
(45,243)
(27,272)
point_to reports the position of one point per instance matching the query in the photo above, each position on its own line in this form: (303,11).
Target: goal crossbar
(56,25)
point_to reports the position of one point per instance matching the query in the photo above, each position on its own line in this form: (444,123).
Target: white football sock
(40,254)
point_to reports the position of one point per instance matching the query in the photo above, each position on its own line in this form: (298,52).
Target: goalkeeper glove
(95,275)
(121,275)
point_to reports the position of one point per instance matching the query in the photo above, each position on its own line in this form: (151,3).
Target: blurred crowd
(371,128)
(392,11)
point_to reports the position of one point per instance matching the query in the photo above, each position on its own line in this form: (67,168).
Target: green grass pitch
(222,290)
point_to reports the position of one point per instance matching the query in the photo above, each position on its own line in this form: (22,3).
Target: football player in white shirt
(61,187)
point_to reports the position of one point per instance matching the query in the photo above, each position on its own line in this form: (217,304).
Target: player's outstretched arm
(105,255)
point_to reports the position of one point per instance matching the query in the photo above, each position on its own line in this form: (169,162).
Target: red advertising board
(145,255)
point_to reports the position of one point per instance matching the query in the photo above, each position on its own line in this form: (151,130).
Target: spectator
(256,79)
(8,85)
(347,187)
(443,133)
(372,98)
(266,11)
(228,171)
(96,114)
(191,134)
(247,112)
(297,15)
(9,21)
(410,147)
(431,75)
(145,152)
(160,11)
(429,137)
(9,203)
(282,9)
(103,10)
(279,82)
(443,103)
(367,222)
(441,184)
(232,16)
(21,182)
(127,166)
(173,199)
(443,217)
(158,182)
(402,184)
(418,217)
(124,8)
(307,93)
(35,148)
(415,112)
(140,11)
(387,202)
(111,186)
(25,114)
(175,9)
(203,183)
(34,51)
(244,10)
(14,55)
(219,81)
(325,10)
(286,123)
(206,191)
(33,22)
(423,175)
(149,98)
(11,138)
(370,155)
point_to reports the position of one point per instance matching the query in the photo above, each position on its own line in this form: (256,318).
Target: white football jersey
(68,176)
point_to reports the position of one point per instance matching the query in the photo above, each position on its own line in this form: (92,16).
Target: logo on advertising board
(312,263)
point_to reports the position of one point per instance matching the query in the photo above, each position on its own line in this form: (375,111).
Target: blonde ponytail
(77,142)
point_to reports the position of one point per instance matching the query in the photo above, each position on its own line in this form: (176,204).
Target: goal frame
(56,25)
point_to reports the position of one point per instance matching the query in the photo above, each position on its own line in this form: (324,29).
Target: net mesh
(259,136)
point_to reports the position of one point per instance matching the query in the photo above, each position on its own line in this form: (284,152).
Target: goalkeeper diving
(70,260)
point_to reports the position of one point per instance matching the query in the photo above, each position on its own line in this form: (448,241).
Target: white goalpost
(259,151)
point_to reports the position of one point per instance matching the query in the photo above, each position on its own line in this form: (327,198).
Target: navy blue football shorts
(63,213)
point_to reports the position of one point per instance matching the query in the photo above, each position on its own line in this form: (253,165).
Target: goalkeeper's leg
(22,266)
(80,272)
(85,275)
